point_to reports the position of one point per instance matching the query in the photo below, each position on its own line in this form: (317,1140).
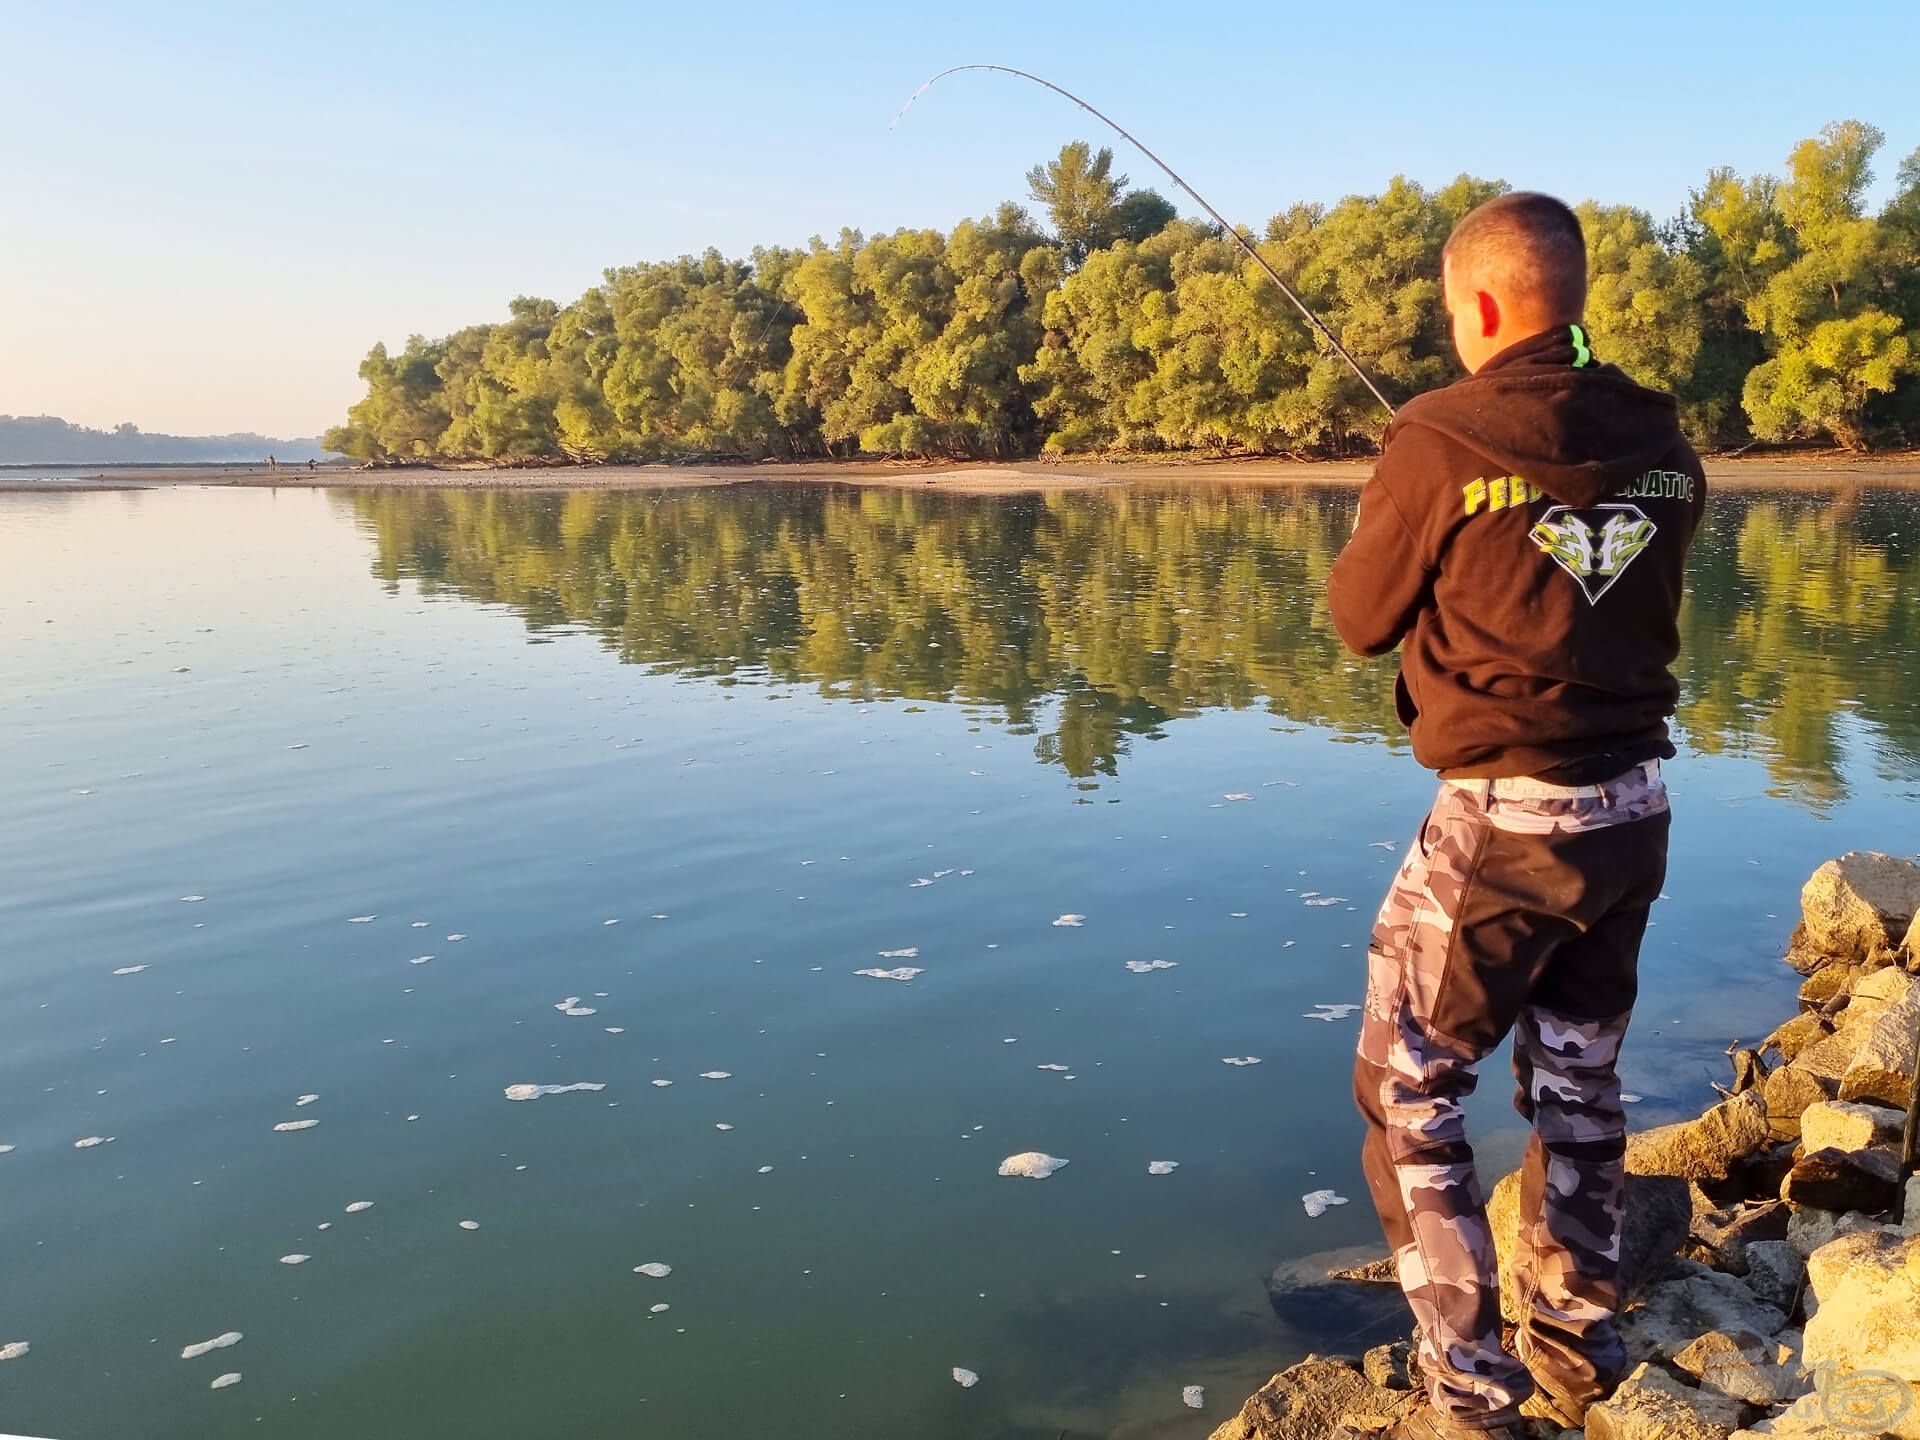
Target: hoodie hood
(1580,430)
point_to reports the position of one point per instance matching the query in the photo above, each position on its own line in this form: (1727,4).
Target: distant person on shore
(310,466)
(272,464)
(1522,541)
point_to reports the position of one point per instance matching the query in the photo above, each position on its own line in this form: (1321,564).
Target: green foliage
(1775,309)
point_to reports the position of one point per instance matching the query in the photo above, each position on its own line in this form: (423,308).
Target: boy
(1523,541)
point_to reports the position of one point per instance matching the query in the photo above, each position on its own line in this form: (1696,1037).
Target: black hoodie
(1525,535)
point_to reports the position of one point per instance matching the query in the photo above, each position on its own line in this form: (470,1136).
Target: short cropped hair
(1530,242)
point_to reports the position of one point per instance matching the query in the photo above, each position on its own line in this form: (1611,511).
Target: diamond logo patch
(1595,544)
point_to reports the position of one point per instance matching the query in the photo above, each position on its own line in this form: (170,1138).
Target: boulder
(1308,1401)
(1788,1092)
(1889,987)
(1848,1125)
(1912,943)
(1746,1368)
(1651,1405)
(1802,954)
(1809,1230)
(1864,1339)
(1389,1366)
(1864,1180)
(1828,1059)
(1776,1273)
(1882,1067)
(1312,1304)
(1674,1313)
(1724,1235)
(1826,984)
(1789,1039)
(1657,1212)
(1861,900)
(1706,1148)
(1910,1215)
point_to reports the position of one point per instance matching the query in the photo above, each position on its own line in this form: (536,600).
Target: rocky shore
(1772,1248)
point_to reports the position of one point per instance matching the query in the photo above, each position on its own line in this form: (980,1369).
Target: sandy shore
(1811,469)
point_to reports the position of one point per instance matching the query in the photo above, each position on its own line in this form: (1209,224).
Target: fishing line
(1174,175)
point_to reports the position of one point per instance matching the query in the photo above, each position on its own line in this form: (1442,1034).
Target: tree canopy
(1774,308)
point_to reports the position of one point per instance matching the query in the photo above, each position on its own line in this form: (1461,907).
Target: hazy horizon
(246,201)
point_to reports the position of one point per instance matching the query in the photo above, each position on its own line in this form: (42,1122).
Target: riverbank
(1771,1247)
(1813,470)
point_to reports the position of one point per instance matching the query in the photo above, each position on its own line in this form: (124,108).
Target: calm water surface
(372,785)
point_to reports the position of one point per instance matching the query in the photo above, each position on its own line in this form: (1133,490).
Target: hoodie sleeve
(1383,578)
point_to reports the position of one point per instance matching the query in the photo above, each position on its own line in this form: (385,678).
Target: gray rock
(1724,1235)
(1706,1148)
(1848,1125)
(1746,1368)
(1651,1405)
(1674,1313)
(1809,1230)
(1312,1304)
(1861,900)
(1795,1035)
(1882,1066)
(1308,1401)
(1776,1273)
(1866,1180)
(1657,1213)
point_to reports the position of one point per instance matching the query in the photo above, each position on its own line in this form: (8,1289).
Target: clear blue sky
(213,210)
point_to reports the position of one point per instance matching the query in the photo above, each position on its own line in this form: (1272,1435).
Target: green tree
(1644,300)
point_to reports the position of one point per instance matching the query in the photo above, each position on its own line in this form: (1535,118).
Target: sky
(212,211)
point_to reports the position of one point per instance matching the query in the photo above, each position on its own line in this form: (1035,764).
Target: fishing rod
(1174,175)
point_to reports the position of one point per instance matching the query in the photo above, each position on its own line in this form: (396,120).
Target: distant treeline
(1776,309)
(45,440)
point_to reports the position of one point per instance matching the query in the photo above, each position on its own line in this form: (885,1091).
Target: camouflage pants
(1520,907)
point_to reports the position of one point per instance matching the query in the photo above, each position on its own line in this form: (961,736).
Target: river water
(399,799)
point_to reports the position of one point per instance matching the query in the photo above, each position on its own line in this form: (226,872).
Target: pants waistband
(1525,788)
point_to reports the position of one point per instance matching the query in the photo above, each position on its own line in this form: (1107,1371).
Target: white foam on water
(14,1349)
(418,925)
(221,1382)
(295,1259)
(1324,1011)
(764,1170)
(610,922)
(922,882)
(616,1029)
(1317,1202)
(1323,900)
(1162,1167)
(720,1126)
(1031,1165)
(525,1091)
(6,1149)
(455,938)
(469,1224)
(286,1126)
(361,919)
(1050,1067)
(420,959)
(572,1006)
(1147,967)
(357,1206)
(1239,1059)
(92,1140)
(716,1074)
(324,1225)
(306,1100)
(965,1379)
(1237,795)
(129,969)
(899,972)
(191,899)
(912,952)
(1627,1097)
(659,1309)
(655,1268)
(661,1084)
(1070,921)
(207,1347)
(1194,1397)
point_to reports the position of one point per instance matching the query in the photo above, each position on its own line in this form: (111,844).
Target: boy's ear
(1489,314)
